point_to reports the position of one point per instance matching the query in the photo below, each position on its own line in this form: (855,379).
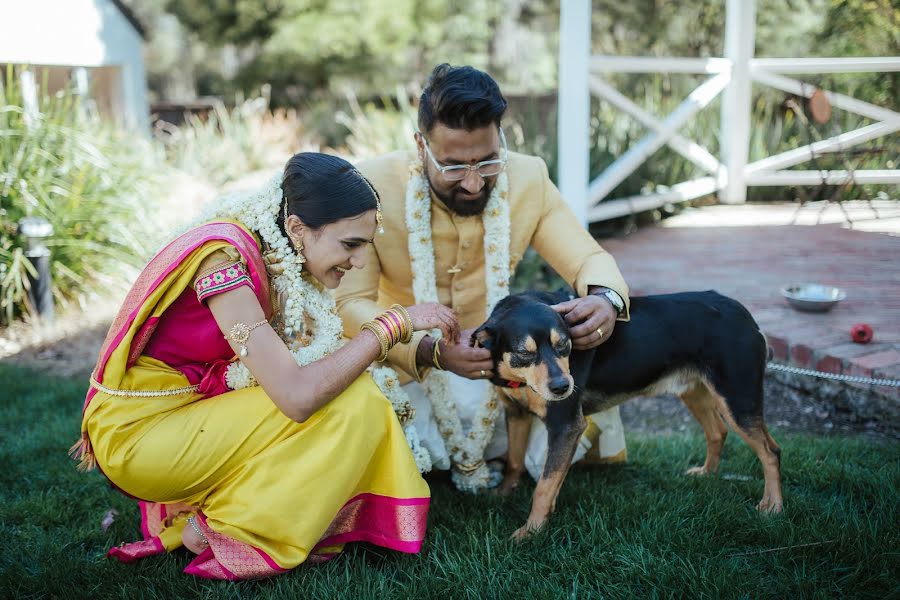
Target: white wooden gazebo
(580,75)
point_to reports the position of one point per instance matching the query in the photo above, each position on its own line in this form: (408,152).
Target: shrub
(92,182)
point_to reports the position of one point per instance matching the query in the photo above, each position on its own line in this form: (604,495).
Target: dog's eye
(525,355)
(564,347)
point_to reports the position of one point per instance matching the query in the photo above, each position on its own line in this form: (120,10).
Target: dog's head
(530,344)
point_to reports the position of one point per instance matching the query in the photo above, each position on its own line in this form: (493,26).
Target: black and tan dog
(702,346)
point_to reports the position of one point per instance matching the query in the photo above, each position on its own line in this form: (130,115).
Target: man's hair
(460,98)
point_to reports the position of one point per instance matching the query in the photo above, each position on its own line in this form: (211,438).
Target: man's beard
(464,208)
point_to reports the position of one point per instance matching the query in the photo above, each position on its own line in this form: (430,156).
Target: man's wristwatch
(615,299)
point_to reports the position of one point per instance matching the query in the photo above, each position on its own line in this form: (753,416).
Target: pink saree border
(393,523)
(128,553)
(161,265)
(227,558)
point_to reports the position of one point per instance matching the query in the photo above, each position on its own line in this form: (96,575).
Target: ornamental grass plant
(93,182)
(227,144)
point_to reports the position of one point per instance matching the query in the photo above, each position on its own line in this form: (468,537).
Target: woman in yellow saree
(223,400)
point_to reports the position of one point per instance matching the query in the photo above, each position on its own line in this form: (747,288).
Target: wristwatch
(615,299)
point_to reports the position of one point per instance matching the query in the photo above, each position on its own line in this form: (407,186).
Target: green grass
(639,530)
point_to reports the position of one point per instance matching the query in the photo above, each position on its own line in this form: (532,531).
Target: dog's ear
(483,336)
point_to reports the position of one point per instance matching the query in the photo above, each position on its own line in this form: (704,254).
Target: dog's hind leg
(752,429)
(518,426)
(701,401)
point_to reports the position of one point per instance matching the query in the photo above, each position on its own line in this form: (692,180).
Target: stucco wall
(88,33)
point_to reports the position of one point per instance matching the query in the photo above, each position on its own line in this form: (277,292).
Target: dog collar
(507,383)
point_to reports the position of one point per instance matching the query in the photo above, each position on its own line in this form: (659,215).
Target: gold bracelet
(240,333)
(407,322)
(378,330)
(436,355)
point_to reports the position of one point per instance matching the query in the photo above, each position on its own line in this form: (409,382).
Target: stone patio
(750,251)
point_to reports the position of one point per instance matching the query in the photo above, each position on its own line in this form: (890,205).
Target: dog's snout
(559,385)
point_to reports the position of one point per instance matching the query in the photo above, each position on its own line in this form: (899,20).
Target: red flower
(861,333)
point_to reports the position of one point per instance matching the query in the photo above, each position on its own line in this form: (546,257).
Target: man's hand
(464,360)
(591,320)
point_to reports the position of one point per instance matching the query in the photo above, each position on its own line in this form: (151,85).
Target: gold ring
(600,332)
(483,374)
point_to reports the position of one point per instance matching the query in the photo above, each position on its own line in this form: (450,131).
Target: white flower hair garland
(311,326)
(470,473)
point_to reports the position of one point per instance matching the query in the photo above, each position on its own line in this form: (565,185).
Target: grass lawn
(639,530)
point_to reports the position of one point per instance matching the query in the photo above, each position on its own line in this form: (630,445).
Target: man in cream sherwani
(461,153)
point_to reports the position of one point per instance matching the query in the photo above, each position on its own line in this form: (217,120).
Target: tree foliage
(218,22)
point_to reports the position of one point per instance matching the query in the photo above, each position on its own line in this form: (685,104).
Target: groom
(474,207)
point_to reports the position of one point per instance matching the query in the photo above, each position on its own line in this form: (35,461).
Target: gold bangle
(407,322)
(392,322)
(386,328)
(240,333)
(436,354)
(378,330)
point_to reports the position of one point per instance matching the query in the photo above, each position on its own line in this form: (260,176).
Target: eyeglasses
(485,168)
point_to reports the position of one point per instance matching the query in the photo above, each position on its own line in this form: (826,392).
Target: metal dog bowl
(812,297)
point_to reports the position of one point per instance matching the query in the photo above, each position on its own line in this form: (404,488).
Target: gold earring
(298,247)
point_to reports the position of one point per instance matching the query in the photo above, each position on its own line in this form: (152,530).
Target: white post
(29,97)
(82,85)
(573,116)
(740,33)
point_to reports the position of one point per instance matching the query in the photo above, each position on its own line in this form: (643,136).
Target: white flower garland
(305,300)
(466,451)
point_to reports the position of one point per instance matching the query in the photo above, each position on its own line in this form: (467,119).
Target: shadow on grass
(637,530)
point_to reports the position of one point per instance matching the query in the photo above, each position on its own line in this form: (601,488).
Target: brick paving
(705,248)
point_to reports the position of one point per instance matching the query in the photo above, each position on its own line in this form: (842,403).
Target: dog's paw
(526,531)
(506,487)
(698,471)
(770,505)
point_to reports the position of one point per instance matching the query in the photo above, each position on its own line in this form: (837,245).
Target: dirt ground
(71,352)
(786,409)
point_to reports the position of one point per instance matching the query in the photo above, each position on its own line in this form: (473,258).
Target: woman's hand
(435,316)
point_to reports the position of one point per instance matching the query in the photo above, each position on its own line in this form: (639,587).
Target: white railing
(732,76)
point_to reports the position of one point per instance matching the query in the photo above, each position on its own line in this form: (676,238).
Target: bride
(224,401)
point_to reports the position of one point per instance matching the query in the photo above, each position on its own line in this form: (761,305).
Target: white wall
(88,33)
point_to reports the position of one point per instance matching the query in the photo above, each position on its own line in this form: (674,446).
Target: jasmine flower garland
(311,327)
(466,450)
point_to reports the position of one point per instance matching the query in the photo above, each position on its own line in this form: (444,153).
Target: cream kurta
(539,217)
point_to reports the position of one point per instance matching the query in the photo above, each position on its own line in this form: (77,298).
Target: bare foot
(192,540)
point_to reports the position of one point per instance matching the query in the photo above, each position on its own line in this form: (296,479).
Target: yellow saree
(268,493)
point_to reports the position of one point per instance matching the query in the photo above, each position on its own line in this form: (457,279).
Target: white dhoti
(602,441)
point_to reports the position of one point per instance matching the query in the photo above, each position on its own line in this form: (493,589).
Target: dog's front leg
(565,424)
(518,426)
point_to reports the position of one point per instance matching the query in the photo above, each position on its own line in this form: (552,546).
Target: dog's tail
(770,353)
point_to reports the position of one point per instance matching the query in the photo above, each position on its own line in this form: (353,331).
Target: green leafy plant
(91,181)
